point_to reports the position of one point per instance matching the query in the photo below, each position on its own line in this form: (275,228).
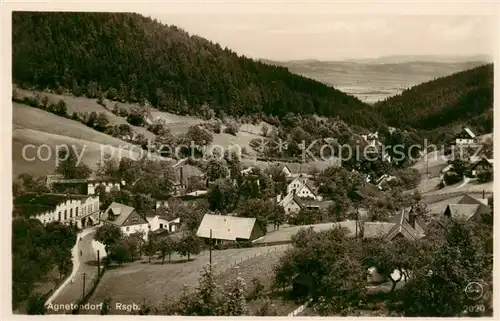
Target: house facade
(80,210)
(303,187)
(126,218)
(465,137)
(157,222)
(482,165)
(290,204)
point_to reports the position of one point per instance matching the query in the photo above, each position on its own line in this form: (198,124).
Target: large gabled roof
(121,212)
(33,203)
(376,229)
(224,227)
(462,211)
(469,132)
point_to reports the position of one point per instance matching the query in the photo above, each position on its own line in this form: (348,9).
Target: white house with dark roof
(304,188)
(465,137)
(161,222)
(126,218)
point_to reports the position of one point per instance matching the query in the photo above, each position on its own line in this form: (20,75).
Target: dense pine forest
(462,98)
(128,57)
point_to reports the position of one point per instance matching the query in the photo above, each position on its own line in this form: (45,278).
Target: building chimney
(411,218)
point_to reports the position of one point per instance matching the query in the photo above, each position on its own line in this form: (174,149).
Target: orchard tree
(166,245)
(388,257)
(150,247)
(119,252)
(189,244)
(325,267)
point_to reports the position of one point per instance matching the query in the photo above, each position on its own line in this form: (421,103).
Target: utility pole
(426,164)
(357,219)
(98,265)
(83,276)
(210,250)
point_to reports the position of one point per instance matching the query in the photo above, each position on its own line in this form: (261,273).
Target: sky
(327,36)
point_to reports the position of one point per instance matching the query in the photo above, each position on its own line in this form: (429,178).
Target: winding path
(69,291)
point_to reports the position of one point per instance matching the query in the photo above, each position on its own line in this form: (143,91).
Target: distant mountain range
(442,106)
(375,79)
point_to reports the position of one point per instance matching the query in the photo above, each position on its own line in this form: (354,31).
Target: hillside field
(138,281)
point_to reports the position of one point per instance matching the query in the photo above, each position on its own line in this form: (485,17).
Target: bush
(257,291)
(60,108)
(484,177)
(116,109)
(451,178)
(231,129)
(100,101)
(123,112)
(135,119)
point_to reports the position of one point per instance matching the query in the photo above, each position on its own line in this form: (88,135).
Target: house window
(59,216)
(76,211)
(70,213)
(65,214)
(127,228)
(161,225)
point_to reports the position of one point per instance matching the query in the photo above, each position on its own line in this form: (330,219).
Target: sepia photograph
(301,163)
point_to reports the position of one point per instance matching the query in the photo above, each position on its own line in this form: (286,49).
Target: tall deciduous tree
(108,235)
(70,167)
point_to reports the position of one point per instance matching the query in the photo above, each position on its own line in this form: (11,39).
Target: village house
(292,204)
(364,191)
(161,222)
(80,210)
(404,225)
(468,208)
(228,229)
(465,137)
(304,188)
(383,180)
(126,218)
(83,186)
(372,139)
(286,170)
(482,165)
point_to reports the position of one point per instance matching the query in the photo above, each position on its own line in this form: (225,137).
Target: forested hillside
(128,57)
(462,98)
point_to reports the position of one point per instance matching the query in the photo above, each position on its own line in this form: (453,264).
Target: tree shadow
(91,263)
